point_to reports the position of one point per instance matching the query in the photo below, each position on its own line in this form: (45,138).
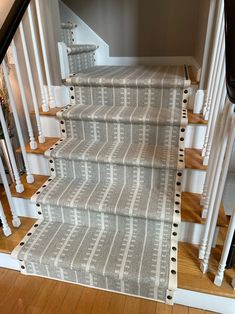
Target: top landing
(133,76)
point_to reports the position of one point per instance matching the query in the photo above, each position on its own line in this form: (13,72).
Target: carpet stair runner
(111,209)
(80,57)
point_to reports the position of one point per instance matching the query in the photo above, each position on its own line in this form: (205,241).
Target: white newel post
(200,94)
(37,59)
(32,142)
(5,226)
(219,194)
(51,98)
(215,180)
(19,185)
(219,31)
(41,137)
(29,176)
(15,219)
(227,244)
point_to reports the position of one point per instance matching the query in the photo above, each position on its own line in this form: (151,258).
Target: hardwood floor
(26,294)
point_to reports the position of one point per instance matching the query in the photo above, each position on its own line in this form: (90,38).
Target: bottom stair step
(136,262)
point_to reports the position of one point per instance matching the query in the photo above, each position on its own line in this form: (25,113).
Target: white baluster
(5,226)
(227,244)
(199,97)
(19,185)
(219,30)
(215,153)
(38,64)
(51,98)
(32,142)
(213,185)
(15,219)
(220,99)
(217,90)
(41,137)
(29,176)
(219,194)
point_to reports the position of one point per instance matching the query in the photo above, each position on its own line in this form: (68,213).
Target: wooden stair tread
(7,244)
(196,118)
(191,210)
(30,189)
(192,76)
(51,112)
(194,159)
(191,278)
(42,147)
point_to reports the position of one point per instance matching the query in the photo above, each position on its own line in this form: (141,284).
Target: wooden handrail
(11,24)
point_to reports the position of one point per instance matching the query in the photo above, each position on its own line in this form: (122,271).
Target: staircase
(120,188)
(111,210)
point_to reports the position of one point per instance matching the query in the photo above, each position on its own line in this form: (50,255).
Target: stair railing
(221,136)
(31,86)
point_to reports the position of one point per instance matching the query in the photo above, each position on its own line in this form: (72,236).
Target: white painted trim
(7,261)
(64,61)
(205,301)
(60,94)
(25,208)
(199,101)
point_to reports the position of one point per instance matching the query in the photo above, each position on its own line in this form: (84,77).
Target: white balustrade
(19,185)
(200,94)
(51,98)
(219,31)
(217,90)
(29,176)
(215,153)
(37,59)
(215,178)
(41,137)
(32,142)
(5,226)
(227,244)
(205,248)
(15,219)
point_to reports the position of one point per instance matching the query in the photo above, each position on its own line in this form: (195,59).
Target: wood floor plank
(86,301)
(132,305)
(179,309)
(147,306)
(164,308)
(196,311)
(101,302)
(69,304)
(117,303)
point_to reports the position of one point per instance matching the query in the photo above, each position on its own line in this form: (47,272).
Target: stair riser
(109,221)
(192,181)
(188,232)
(128,133)
(115,173)
(97,281)
(128,96)
(81,61)
(194,135)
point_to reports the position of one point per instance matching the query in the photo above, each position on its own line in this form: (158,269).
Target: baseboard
(205,301)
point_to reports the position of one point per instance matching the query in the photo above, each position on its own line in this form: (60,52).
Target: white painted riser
(193,180)
(194,137)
